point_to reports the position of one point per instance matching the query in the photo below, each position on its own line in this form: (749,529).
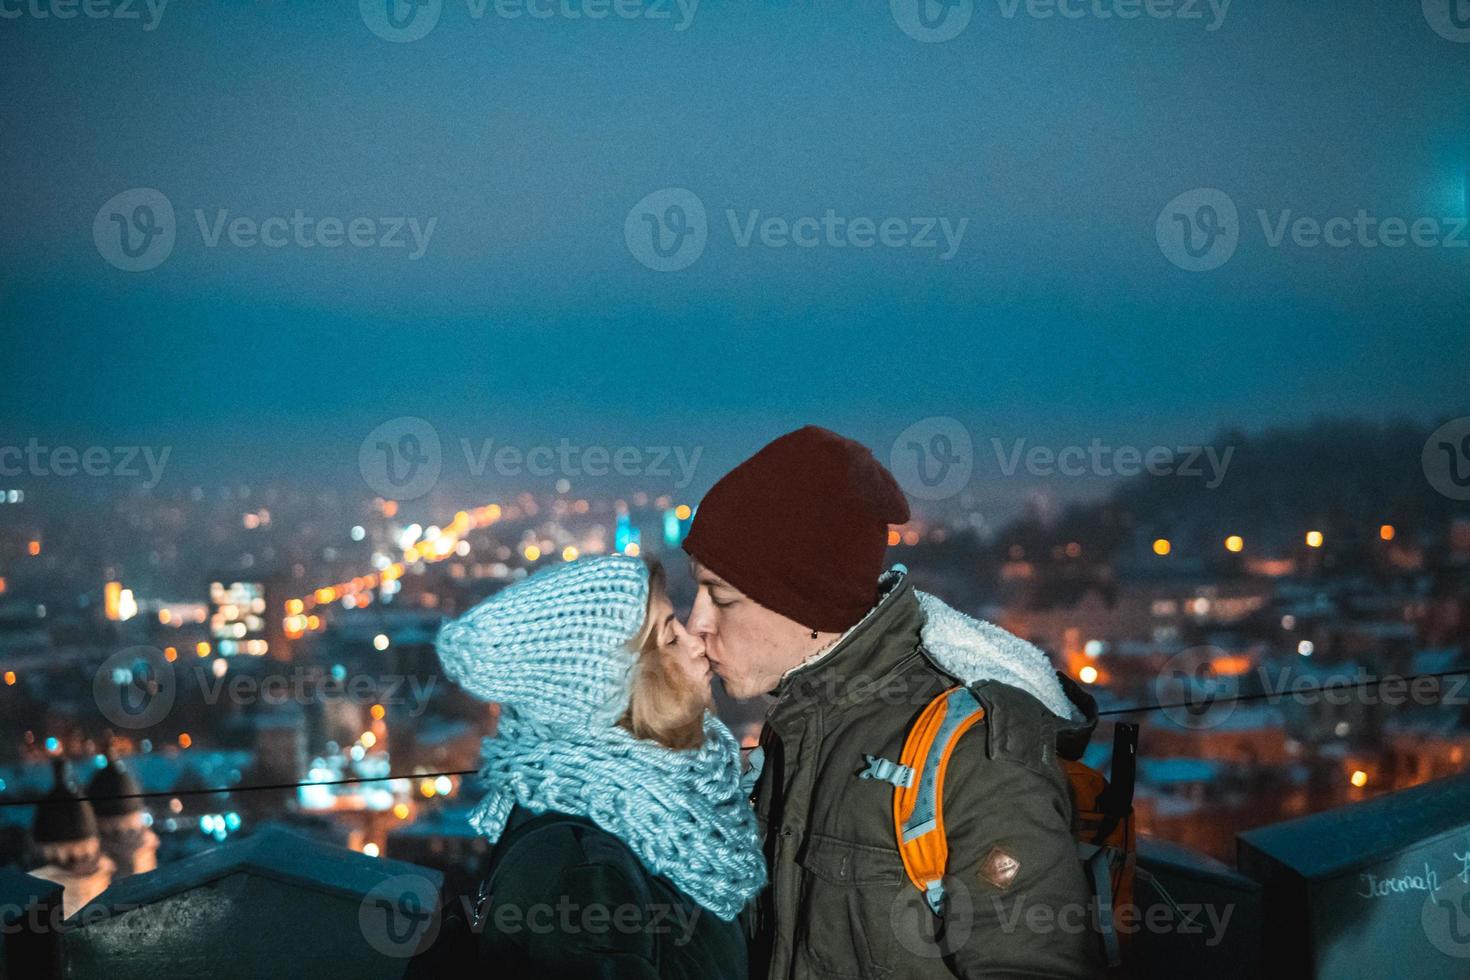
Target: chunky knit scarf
(681,812)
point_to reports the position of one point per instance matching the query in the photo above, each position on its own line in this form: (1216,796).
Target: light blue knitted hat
(555,646)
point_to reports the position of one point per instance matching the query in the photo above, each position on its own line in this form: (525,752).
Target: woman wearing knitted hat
(624,844)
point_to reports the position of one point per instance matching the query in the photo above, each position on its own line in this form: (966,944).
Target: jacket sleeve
(1017,903)
(556,914)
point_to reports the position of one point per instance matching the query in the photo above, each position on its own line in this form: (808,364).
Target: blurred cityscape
(214,638)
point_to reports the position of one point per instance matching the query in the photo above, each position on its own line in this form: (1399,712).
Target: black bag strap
(1116,801)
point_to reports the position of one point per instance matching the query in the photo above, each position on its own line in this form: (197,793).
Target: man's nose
(701,620)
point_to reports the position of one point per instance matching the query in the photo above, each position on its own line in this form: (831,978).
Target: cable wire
(1136,709)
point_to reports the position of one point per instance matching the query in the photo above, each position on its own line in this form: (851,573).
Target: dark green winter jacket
(839,903)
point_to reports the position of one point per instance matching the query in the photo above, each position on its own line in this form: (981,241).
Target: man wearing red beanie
(788,552)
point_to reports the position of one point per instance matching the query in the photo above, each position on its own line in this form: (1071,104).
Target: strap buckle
(888,771)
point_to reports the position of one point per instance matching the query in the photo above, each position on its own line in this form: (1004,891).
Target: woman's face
(682,650)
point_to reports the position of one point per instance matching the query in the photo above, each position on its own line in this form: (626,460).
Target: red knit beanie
(801,527)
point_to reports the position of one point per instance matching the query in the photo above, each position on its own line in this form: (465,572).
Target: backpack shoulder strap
(918,788)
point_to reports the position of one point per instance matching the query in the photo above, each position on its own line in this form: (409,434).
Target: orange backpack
(1104,813)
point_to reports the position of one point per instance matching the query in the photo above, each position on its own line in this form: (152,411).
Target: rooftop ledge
(1357,891)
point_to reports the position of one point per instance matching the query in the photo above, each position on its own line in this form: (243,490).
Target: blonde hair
(663,706)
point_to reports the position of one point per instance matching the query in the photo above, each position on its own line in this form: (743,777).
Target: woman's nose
(692,642)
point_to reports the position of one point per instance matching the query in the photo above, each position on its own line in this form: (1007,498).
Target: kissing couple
(631,842)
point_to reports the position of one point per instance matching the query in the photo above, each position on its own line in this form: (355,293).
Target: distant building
(246,617)
(66,843)
(123,825)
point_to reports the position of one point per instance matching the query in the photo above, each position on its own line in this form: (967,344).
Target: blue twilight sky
(1058,141)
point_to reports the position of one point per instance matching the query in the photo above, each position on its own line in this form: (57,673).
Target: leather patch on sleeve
(999,868)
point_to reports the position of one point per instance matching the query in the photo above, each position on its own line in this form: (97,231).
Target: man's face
(748,645)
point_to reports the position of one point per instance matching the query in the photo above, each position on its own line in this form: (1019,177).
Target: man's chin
(730,687)
(740,690)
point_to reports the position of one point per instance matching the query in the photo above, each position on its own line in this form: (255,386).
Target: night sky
(527,141)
